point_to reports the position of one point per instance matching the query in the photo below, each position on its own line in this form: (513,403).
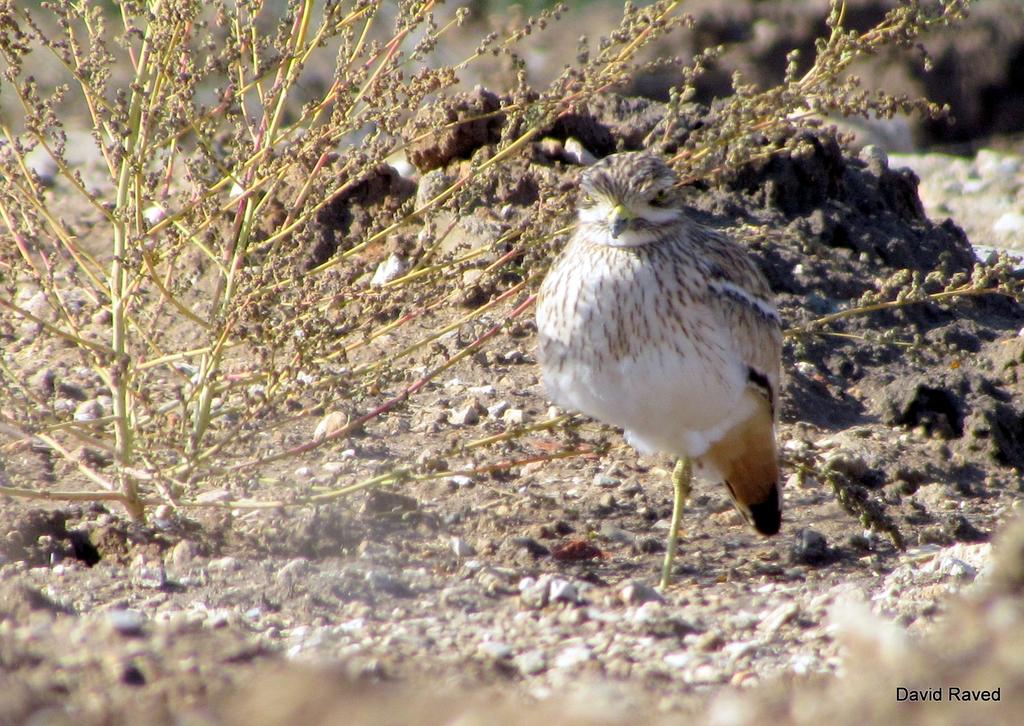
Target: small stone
(572,617)
(531,662)
(650,545)
(1009,225)
(495,650)
(975,186)
(680,660)
(431,184)
(163,516)
(472,277)
(806,369)
(293,570)
(467,415)
(183,554)
(150,574)
(214,495)
(88,411)
(1001,166)
(637,593)
(847,463)
(650,613)
(354,625)
(631,488)
(153,214)
(533,593)
(707,673)
(743,679)
(551,147)
(573,656)
(513,417)
(44,381)
(576,550)
(498,409)
(562,591)
(462,548)
(461,481)
(575,152)
(390,269)
(957,568)
(126,622)
(802,663)
(709,642)
(616,534)
(744,620)
(330,425)
(430,461)
(532,547)
(779,617)
(875,158)
(224,564)
(738,649)
(810,548)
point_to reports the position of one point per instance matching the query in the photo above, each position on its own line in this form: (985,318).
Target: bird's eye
(660,199)
(588,200)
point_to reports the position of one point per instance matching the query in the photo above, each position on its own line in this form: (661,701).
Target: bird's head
(628,198)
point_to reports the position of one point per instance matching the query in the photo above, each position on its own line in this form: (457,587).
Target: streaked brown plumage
(655,323)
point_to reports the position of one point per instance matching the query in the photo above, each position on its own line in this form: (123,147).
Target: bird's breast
(612,304)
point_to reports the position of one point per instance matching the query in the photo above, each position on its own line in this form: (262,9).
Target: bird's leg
(681,477)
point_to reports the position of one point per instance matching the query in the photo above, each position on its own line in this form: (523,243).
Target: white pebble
(388,270)
(1009,225)
(513,416)
(573,656)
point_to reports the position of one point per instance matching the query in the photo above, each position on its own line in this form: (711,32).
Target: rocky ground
(528,594)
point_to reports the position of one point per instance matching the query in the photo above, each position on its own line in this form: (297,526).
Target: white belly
(664,402)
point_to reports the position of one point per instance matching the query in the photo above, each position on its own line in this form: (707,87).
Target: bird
(654,323)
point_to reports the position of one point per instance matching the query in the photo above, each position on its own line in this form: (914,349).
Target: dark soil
(978,70)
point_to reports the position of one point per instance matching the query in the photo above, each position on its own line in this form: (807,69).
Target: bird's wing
(742,299)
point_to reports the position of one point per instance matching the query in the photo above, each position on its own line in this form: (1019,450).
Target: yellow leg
(681,477)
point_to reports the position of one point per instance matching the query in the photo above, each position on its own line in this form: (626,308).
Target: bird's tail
(747,460)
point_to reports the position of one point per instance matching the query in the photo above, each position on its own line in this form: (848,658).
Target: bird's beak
(618,218)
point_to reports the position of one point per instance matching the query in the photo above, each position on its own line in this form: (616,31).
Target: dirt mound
(977,70)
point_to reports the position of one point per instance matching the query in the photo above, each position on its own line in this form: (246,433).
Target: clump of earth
(528,593)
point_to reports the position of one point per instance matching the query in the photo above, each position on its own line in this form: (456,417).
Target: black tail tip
(767,515)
